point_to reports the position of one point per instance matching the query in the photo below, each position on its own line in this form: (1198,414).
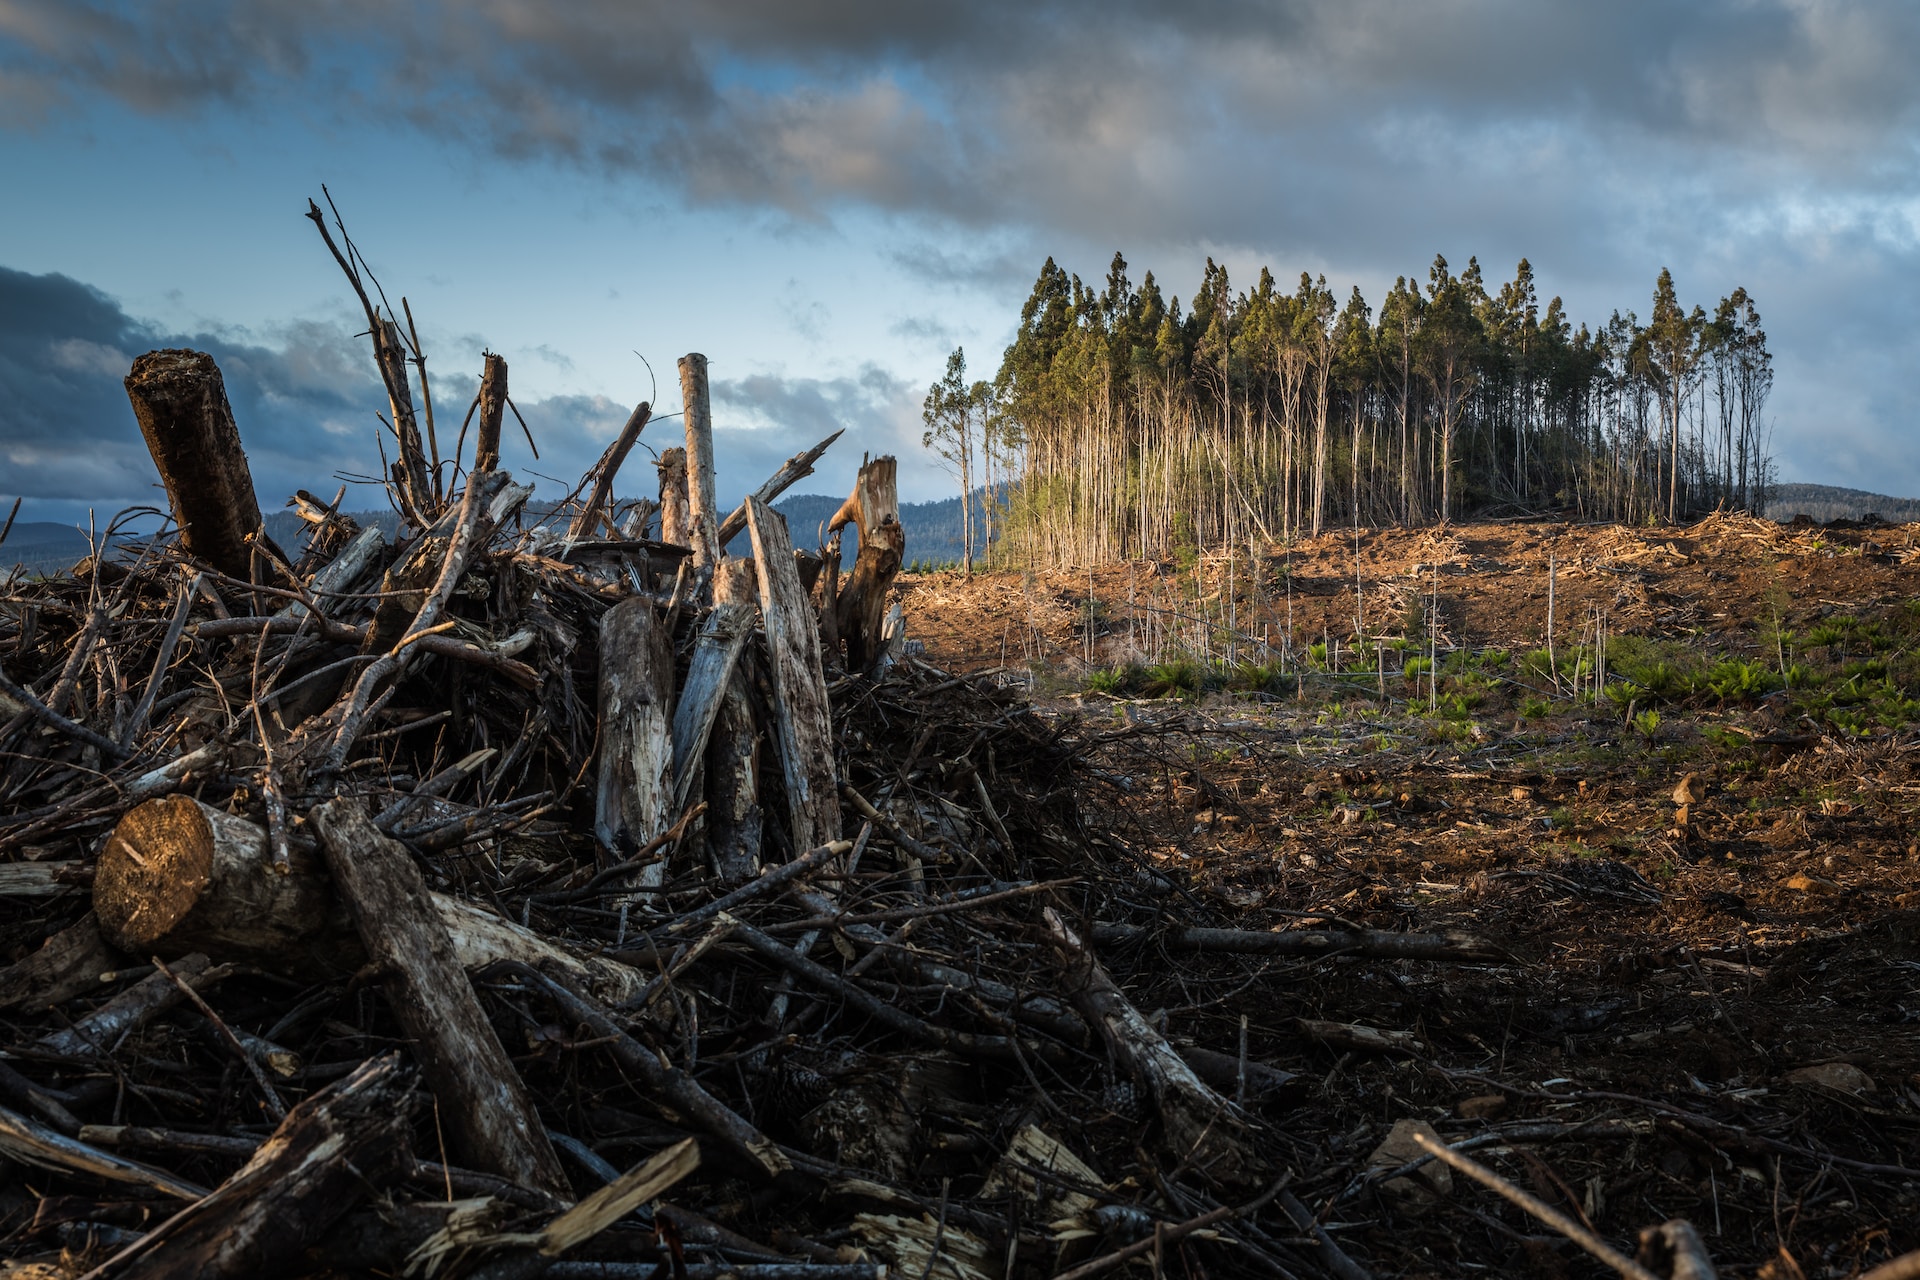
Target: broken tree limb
(1376,943)
(722,637)
(330,1152)
(99,1031)
(483,1103)
(795,469)
(587,519)
(412,469)
(732,765)
(860,611)
(31,1142)
(703,520)
(802,716)
(633,799)
(1200,1126)
(181,405)
(493,408)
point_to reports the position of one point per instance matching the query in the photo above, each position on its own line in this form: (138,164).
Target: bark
(1199,1126)
(675,519)
(489,1118)
(31,1142)
(411,470)
(342,572)
(803,719)
(68,964)
(133,1008)
(493,408)
(330,1151)
(703,520)
(734,829)
(181,404)
(177,876)
(861,609)
(633,801)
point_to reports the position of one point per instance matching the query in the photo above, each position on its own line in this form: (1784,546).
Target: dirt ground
(1705,873)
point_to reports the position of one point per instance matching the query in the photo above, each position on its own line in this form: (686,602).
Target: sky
(826,198)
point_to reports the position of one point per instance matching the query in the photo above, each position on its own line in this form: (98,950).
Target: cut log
(633,801)
(796,468)
(587,520)
(861,608)
(177,876)
(489,1118)
(722,637)
(493,408)
(802,716)
(333,1149)
(181,404)
(674,517)
(1200,1127)
(703,520)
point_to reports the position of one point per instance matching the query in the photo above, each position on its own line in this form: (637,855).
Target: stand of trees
(1127,427)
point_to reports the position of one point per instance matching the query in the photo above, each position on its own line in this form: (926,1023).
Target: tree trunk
(674,516)
(177,876)
(703,520)
(493,408)
(796,468)
(483,1104)
(411,469)
(861,610)
(330,1151)
(588,518)
(803,718)
(633,801)
(733,787)
(180,402)
(715,652)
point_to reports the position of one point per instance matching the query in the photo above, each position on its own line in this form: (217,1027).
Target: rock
(1425,1186)
(1485,1106)
(1833,1077)
(1691,790)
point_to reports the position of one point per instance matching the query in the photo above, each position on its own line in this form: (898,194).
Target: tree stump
(861,610)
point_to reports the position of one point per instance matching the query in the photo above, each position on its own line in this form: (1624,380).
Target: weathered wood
(715,651)
(410,470)
(861,608)
(407,581)
(31,1142)
(68,964)
(181,405)
(333,1149)
(587,519)
(802,716)
(488,1116)
(341,573)
(133,1008)
(633,801)
(1199,1126)
(674,516)
(177,876)
(734,821)
(493,408)
(795,469)
(703,520)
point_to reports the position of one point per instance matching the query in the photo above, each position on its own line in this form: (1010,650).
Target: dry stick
(105,745)
(588,516)
(275,1107)
(426,398)
(1904,1267)
(1560,1222)
(7,528)
(1378,943)
(458,552)
(1553,671)
(161,661)
(1165,1235)
(766,882)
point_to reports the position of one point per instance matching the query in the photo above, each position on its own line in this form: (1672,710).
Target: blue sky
(826,197)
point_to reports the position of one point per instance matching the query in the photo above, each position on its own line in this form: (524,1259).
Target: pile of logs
(603,894)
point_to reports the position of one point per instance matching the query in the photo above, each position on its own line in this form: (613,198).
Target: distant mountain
(1826,502)
(934,533)
(41,546)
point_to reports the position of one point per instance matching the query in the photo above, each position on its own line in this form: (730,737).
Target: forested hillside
(1825,502)
(1129,425)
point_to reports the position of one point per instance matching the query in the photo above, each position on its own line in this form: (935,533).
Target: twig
(1165,1235)
(275,1108)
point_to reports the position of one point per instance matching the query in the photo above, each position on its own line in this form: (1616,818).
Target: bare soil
(1674,971)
